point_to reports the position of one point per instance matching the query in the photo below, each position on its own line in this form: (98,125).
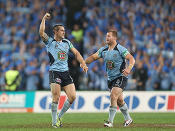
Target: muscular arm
(78,55)
(92,58)
(42,33)
(80,59)
(131,60)
(131,64)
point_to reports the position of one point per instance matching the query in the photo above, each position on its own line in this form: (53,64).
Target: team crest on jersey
(110,64)
(58,80)
(62,55)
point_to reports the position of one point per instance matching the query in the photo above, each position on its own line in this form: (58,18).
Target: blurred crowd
(145,27)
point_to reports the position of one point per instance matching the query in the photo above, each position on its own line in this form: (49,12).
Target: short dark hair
(114,33)
(56,27)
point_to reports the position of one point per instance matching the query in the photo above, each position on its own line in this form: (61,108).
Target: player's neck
(112,45)
(58,39)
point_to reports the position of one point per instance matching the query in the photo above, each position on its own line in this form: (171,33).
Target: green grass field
(86,122)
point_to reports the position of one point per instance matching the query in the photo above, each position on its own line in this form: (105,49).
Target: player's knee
(55,96)
(120,102)
(72,98)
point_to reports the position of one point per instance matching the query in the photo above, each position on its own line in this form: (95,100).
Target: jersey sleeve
(123,51)
(100,52)
(71,45)
(48,41)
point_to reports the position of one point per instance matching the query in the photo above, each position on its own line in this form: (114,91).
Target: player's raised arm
(92,58)
(80,59)
(131,64)
(42,33)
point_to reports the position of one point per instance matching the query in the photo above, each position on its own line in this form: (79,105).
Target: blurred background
(145,27)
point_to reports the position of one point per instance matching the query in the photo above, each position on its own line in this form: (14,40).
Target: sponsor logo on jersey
(110,64)
(62,55)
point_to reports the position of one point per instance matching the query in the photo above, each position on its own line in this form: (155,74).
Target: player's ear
(54,31)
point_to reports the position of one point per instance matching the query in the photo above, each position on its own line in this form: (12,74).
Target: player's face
(109,38)
(61,32)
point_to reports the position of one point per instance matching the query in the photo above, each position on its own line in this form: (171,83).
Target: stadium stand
(145,28)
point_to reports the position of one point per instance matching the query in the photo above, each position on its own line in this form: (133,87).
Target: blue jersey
(114,60)
(58,54)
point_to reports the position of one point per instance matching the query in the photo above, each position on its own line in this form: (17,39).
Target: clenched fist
(46,16)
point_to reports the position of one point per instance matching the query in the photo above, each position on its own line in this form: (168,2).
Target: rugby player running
(114,56)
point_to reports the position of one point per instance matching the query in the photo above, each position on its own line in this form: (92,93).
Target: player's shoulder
(51,39)
(104,48)
(119,47)
(66,40)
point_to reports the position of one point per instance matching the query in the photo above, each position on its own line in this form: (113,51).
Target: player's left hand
(126,71)
(84,67)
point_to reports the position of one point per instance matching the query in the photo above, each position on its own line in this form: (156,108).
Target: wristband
(130,66)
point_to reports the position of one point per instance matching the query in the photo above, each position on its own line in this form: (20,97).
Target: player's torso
(113,61)
(58,55)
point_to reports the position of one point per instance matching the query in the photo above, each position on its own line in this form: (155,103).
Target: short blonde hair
(114,33)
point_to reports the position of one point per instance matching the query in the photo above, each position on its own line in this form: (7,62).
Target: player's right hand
(47,16)
(84,67)
(126,71)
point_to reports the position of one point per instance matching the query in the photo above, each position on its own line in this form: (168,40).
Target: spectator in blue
(32,75)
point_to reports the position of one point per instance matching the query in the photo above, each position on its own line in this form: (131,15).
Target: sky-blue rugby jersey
(114,60)
(58,54)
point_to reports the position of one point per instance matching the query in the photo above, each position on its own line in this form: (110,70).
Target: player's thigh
(55,89)
(116,92)
(120,100)
(70,92)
